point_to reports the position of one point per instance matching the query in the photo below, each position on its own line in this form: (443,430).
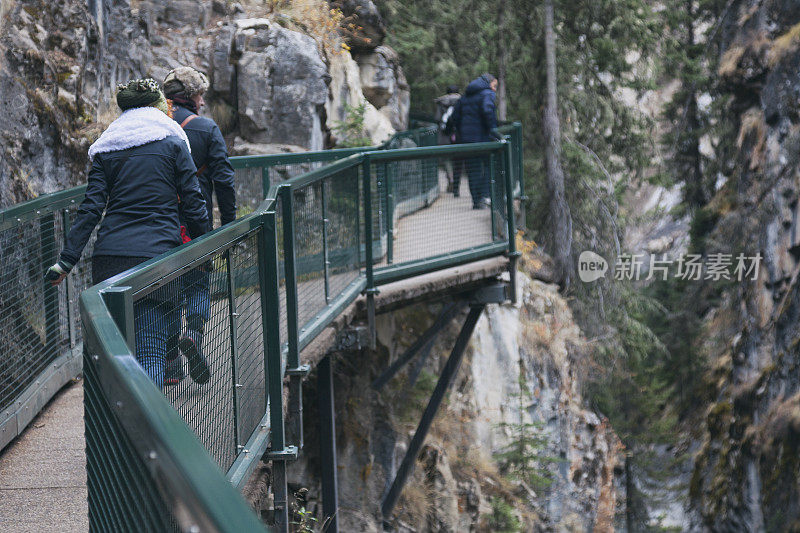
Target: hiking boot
(191,346)
(173,371)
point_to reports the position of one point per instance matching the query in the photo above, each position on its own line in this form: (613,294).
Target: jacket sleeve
(193,206)
(487,110)
(89,214)
(222,176)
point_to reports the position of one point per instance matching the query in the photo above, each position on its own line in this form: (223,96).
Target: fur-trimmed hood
(136,127)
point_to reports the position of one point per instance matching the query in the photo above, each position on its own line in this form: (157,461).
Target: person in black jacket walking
(185,87)
(445,105)
(475,121)
(140,165)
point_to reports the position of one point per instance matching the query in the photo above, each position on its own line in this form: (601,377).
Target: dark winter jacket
(474,113)
(138,188)
(211,155)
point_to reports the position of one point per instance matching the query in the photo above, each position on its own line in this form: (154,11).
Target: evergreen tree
(690,51)
(523,458)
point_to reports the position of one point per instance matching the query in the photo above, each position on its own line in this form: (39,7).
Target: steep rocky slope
(280,80)
(747,471)
(460,483)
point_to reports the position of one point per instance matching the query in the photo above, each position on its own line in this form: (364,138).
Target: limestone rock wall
(747,470)
(460,483)
(274,86)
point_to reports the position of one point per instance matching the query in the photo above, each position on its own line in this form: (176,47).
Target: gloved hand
(56,273)
(496,135)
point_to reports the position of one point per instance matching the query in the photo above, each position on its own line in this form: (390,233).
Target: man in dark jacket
(475,121)
(445,105)
(185,87)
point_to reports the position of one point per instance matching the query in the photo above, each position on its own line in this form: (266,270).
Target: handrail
(335,224)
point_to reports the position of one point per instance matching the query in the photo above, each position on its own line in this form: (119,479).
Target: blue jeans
(478,174)
(157,324)
(196,298)
(156,318)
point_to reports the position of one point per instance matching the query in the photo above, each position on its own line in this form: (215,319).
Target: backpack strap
(188,120)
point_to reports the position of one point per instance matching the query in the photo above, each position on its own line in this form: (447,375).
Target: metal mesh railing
(199,332)
(109,449)
(321,248)
(247,298)
(39,333)
(456,195)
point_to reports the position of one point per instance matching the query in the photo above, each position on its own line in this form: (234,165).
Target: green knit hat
(138,93)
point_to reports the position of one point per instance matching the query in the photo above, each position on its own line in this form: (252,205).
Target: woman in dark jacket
(140,166)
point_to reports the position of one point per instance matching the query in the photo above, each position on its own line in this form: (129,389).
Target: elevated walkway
(352,232)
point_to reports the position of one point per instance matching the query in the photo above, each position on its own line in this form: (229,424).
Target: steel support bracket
(302,371)
(491,294)
(287,454)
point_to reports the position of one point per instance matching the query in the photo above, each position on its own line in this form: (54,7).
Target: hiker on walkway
(445,105)
(140,165)
(185,87)
(475,122)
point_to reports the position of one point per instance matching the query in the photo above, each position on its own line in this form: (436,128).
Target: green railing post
(119,301)
(368,222)
(513,254)
(270,322)
(492,190)
(70,288)
(232,316)
(265,181)
(290,272)
(357,188)
(388,179)
(523,198)
(325,258)
(49,255)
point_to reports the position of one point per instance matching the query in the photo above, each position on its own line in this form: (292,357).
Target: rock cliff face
(747,471)
(276,85)
(519,369)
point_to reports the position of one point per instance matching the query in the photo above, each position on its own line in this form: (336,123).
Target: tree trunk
(502,54)
(560,220)
(695,193)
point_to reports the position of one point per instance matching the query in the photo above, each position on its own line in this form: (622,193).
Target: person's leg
(475,175)
(486,187)
(198,300)
(458,172)
(198,310)
(448,170)
(152,330)
(173,369)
